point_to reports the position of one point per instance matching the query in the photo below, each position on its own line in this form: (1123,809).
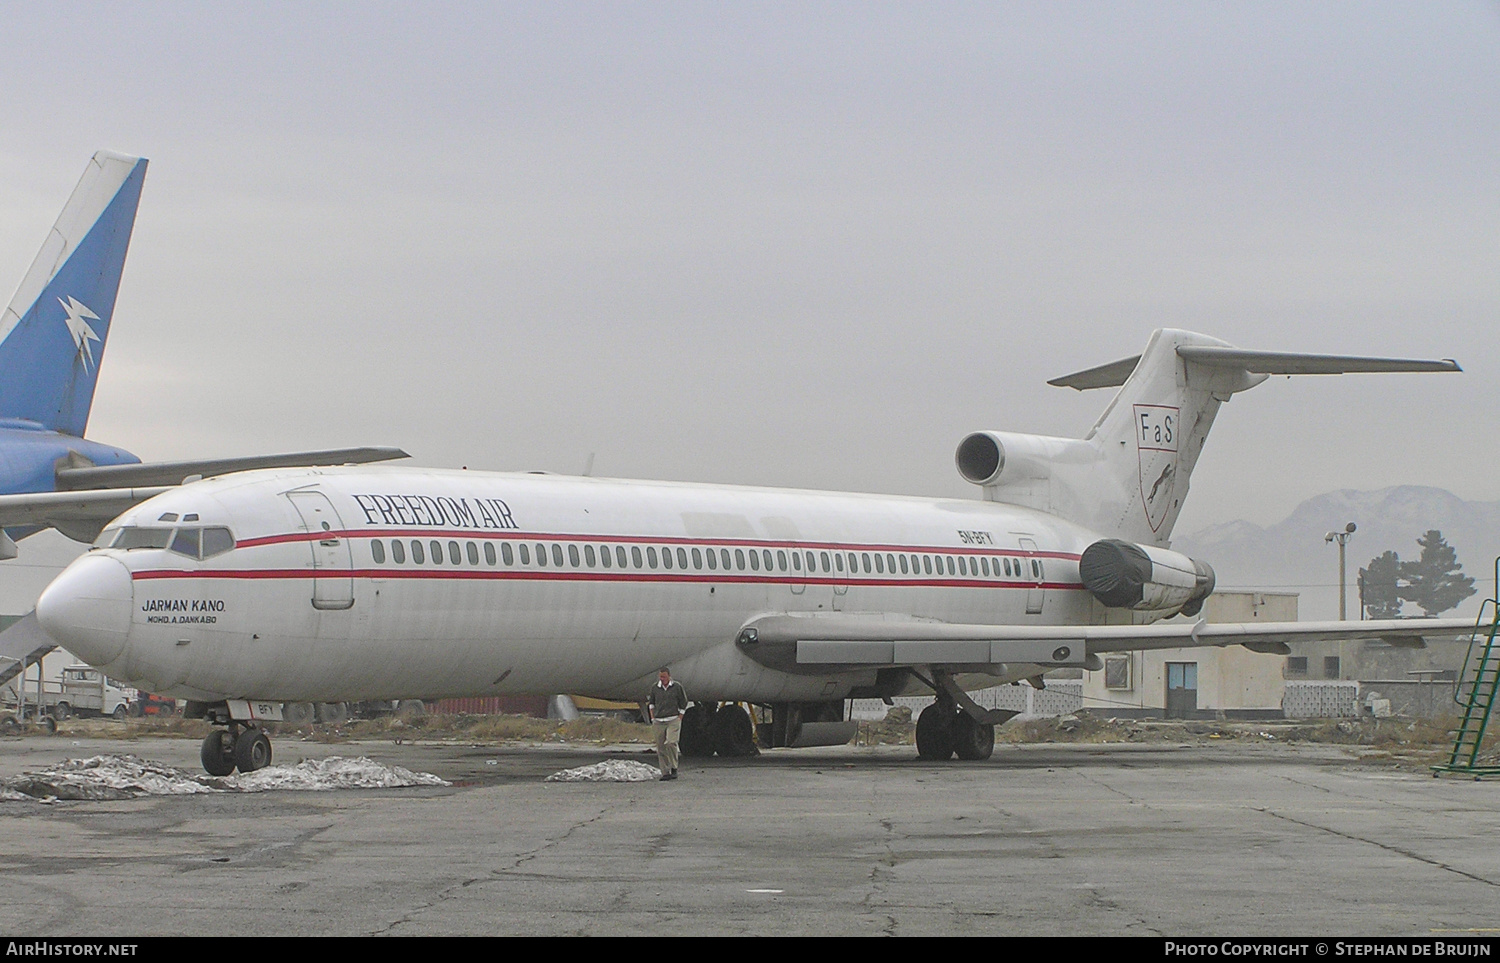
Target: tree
(1380,587)
(1435,581)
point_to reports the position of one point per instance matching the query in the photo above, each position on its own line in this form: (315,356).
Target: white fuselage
(388,583)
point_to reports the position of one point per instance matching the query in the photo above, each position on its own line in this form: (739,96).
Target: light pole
(1341,538)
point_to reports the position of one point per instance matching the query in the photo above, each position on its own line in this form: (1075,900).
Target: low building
(1207,682)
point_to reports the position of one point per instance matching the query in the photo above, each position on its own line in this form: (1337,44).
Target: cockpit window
(186,541)
(217,541)
(133,537)
(189,540)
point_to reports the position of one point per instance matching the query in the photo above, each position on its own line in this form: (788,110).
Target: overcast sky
(809,245)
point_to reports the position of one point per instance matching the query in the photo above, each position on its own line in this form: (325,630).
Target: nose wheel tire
(252,750)
(217,754)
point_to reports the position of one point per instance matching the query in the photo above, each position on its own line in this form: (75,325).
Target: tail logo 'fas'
(77,321)
(1156,445)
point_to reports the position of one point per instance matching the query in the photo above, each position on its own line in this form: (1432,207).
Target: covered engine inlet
(1124,575)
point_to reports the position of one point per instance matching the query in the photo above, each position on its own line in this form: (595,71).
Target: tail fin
(1129,476)
(53,333)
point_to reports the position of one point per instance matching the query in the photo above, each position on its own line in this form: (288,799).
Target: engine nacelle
(988,458)
(1124,575)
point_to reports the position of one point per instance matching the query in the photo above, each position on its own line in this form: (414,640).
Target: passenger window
(739,559)
(489,553)
(541,554)
(812,563)
(927,564)
(416,552)
(620,555)
(217,541)
(1036,563)
(879,564)
(826,566)
(604,557)
(557,555)
(797,561)
(713,559)
(588,556)
(755,560)
(698,558)
(455,554)
(838,561)
(890,563)
(398,552)
(963,567)
(573,556)
(525,553)
(682,558)
(781,560)
(472,551)
(666,558)
(435,548)
(635,556)
(765,556)
(904,569)
(950,566)
(377,552)
(865,557)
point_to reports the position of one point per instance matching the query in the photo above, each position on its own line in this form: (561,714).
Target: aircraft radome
(251,593)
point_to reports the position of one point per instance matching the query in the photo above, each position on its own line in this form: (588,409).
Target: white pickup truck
(85,691)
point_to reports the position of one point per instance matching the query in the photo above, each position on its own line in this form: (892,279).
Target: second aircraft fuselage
(357,583)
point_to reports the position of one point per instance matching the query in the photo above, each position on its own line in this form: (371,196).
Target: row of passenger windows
(543,554)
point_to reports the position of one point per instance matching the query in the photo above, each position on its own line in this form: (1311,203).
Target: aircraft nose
(86,609)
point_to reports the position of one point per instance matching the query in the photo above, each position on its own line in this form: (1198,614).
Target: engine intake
(1124,575)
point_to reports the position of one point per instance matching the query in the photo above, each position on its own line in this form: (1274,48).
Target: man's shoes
(668,777)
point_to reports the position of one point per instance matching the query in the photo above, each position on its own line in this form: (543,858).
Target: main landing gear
(708,728)
(956,725)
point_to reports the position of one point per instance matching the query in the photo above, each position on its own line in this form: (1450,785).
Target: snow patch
(128,777)
(611,770)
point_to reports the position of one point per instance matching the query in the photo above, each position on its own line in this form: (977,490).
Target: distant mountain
(1292,555)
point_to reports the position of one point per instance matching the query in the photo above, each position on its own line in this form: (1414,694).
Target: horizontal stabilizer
(176,472)
(1285,363)
(1110,375)
(1116,373)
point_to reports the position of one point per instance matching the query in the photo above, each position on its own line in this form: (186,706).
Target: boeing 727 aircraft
(52,340)
(250,592)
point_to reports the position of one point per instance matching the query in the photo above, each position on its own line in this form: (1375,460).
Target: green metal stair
(1475,693)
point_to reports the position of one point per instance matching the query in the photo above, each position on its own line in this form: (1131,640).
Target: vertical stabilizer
(53,333)
(1128,477)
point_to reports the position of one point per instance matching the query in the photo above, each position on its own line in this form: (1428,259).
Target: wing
(91,477)
(818,643)
(79,515)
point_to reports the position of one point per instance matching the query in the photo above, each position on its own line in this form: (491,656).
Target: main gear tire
(973,741)
(734,733)
(697,737)
(935,736)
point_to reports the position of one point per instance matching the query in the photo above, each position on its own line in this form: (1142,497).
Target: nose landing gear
(246,748)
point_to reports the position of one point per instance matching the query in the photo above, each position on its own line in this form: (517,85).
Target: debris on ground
(611,770)
(129,777)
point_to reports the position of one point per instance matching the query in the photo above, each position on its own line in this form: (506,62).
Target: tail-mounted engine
(1124,575)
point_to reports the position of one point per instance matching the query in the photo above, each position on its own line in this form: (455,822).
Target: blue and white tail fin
(1128,477)
(53,333)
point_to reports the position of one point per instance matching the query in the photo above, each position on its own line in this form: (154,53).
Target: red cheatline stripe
(569,576)
(648,540)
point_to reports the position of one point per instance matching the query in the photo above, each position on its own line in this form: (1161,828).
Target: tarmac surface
(1153,840)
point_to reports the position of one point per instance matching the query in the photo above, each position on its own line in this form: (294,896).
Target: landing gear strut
(237,746)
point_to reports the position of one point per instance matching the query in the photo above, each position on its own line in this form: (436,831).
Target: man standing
(666,705)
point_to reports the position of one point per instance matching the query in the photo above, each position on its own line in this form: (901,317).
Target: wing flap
(819,641)
(75,514)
